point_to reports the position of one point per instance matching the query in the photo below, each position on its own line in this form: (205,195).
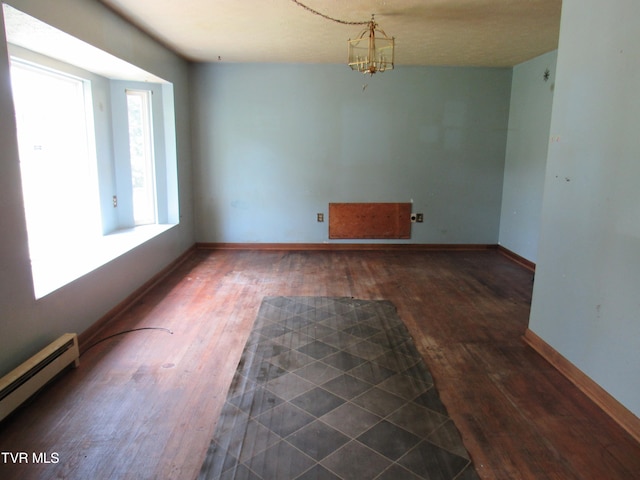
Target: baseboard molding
(344,246)
(618,412)
(528,264)
(88,336)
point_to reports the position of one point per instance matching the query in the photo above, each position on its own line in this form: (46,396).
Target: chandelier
(366,53)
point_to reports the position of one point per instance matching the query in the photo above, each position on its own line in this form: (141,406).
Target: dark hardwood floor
(145,404)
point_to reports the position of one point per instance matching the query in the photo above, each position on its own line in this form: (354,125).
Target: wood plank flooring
(144,404)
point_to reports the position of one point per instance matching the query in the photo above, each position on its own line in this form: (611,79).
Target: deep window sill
(67,264)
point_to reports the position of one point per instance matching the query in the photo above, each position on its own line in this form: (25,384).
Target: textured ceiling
(427,32)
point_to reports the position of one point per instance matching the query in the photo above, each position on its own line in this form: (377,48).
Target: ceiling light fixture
(366,53)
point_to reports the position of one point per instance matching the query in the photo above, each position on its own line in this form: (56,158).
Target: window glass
(141,157)
(57,161)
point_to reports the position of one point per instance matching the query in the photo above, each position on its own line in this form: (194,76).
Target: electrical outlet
(115,201)
(419,217)
(320,217)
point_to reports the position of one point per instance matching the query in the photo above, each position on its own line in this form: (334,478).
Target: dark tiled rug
(333,388)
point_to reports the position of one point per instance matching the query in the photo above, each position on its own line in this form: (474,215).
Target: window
(97,147)
(57,157)
(141,157)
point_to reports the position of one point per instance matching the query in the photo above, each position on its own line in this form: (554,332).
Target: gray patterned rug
(333,388)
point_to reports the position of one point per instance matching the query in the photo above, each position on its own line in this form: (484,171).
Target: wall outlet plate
(320,217)
(419,217)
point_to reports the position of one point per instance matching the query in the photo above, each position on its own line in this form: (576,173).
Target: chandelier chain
(337,20)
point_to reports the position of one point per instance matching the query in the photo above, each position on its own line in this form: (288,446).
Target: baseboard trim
(528,264)
(618,412)
(344,246)
(88,336)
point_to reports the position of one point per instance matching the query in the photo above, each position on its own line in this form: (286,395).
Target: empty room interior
(272,239)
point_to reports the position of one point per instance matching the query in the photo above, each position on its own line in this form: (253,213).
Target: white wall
(526,157)
(26,325)
(586,300)
(277,143)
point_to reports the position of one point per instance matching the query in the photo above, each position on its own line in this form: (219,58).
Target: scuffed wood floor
(144,404)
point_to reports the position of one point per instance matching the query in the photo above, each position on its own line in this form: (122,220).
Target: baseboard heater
(26,379)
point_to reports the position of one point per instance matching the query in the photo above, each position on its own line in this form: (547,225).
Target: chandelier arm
(372,60)
(337,20)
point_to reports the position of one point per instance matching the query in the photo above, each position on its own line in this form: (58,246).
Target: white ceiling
(493,33)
